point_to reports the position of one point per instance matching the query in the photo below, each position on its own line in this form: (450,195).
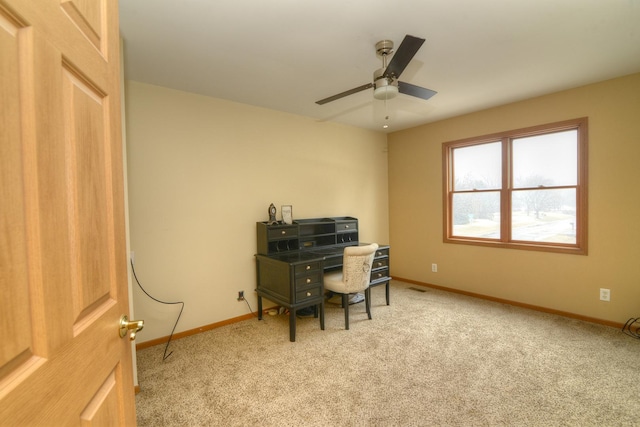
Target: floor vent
(417,289)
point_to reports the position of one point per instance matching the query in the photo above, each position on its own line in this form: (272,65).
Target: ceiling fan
(385,79)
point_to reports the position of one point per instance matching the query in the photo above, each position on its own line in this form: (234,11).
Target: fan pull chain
(386,115)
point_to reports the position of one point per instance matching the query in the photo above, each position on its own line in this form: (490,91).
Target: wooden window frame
(506,138)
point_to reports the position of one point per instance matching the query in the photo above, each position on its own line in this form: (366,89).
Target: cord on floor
(164,357)
(630,329)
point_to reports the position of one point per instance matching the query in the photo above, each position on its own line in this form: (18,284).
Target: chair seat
(333,282)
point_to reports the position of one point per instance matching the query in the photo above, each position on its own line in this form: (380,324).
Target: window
(524,189)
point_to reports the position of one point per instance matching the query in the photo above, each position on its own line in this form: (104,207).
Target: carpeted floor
(431,358)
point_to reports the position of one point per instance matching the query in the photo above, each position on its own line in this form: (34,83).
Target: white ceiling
(286,54)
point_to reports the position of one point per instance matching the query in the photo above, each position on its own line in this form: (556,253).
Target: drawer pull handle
(284,232)
(346,226)
(379,264)
(308,267)
(379,253)
(308,294)
(379,275)
(308,280)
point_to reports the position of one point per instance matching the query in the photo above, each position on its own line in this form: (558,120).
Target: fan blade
(345,93)
(407,50)
(413,90)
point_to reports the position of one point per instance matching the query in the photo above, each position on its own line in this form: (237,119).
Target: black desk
(295,280)
(292,259)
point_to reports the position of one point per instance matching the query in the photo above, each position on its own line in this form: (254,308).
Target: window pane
(544,216)
(546,160)
(478,167)
(477,214)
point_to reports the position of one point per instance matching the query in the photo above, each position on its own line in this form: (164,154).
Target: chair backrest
(356,266)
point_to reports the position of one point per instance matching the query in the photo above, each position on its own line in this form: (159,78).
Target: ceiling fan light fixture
(385,92)
(384,87)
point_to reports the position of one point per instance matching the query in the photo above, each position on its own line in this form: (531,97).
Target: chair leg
(367,301)
(345,304)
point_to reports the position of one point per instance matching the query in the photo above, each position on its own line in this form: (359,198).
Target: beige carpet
(431,358)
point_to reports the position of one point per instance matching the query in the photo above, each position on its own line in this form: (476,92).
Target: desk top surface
(309,255)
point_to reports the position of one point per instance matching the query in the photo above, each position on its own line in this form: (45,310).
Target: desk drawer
(302,296)
(380,263)
(379,274)
(346,226)
(306,268)
(382,253)
(282,232)
(307,280)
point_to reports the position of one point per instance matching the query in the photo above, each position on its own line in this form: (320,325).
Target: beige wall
(567,283)
(202,171)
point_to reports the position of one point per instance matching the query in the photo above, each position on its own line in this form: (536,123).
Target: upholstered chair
(354,277)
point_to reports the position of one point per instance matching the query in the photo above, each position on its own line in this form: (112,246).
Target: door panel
(88,16)
(103,407)
(62,252)
(15,321)
(84,115)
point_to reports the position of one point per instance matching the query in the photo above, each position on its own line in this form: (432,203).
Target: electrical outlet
(240,295)
(434,268)
(605,294)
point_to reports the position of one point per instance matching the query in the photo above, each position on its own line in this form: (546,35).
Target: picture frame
(287,216)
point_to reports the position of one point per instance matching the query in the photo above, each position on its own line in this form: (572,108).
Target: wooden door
(63,282)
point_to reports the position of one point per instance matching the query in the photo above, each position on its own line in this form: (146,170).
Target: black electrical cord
(627,328)
(161,302)
(251,310)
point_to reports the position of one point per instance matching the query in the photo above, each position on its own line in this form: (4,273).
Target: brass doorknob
(133,326)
